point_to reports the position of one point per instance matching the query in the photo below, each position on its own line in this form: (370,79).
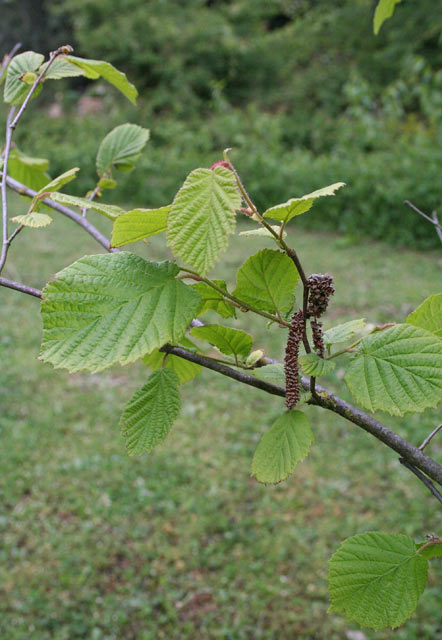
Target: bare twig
(8,57)
(430,486)
(90,197)
(10,284)
(5,244)
(437,225)
(428,438)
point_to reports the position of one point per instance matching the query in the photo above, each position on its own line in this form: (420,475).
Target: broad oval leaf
(397,370)
(231,342)
(121,148)
(15,90)
(29,171)
(138,224)
(343,332)
(384,10)
(431,550)
(105,309)
(61,68)
(185,370)
(428,315)
(150,413)
(267,280)
(282,447)
(295,206)
(98,68)
(202,216)
(33,219)
(376,579)
(108,210)
(213,300)
(313,365)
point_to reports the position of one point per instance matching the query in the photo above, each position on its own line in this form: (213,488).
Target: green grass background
(183,543)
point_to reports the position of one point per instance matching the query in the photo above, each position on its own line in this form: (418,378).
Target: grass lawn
(183,543)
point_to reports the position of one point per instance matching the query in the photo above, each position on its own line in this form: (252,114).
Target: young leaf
(313,365)
(108,210)
(60,181)
(295,206)
(105,309)
(384,10)
(280,449)
(343,332)
(98,68)
(429,315)
(213,300)
(33,219)
(61,68)
(431,551)
(29,171)
(121,148)
(16,90)
(149,415)
(138,224)
(397,370)
(202,216)
(231,342)
(375,579)
(184,369)
(267,280)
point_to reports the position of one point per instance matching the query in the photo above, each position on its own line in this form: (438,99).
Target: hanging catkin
(292,384)
(320,289)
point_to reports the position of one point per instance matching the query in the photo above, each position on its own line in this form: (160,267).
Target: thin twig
(428,438)
(424,215)
(8,57)
(437,225)
(430,486)
(10,284)
(5,244)
(90,197)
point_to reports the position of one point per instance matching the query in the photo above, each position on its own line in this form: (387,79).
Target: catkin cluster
(292,385)
(320,289)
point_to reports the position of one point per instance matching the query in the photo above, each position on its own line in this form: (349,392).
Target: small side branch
(430,486)
(8,57)
(23,288)
(433,219)
(430,437)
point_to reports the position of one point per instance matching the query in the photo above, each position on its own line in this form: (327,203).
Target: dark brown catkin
(318,340)
(320,289)
(292,385)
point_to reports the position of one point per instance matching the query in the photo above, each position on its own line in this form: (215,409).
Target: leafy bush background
(303,92)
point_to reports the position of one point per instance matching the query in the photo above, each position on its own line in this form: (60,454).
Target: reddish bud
(220,163)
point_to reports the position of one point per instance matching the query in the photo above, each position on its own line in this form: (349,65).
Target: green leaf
(202,216)
(313,365)
(107,183)
(138,224)
(213,300)
(108,210)
(98,68)
(15,90)
(33,219)
(397,370)
(105,309)
(262,231)
(295,206)
(254,357)
(149,415)
(121,148)
(429,315)
(267,281)
(384,10)
(61,68)
(375,579)
(282,447)
(430,552)
(60,181)
(343,332)
(231,342)
(184,369)
(273,373)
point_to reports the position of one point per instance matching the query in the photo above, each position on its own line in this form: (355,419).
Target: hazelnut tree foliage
(117,307)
